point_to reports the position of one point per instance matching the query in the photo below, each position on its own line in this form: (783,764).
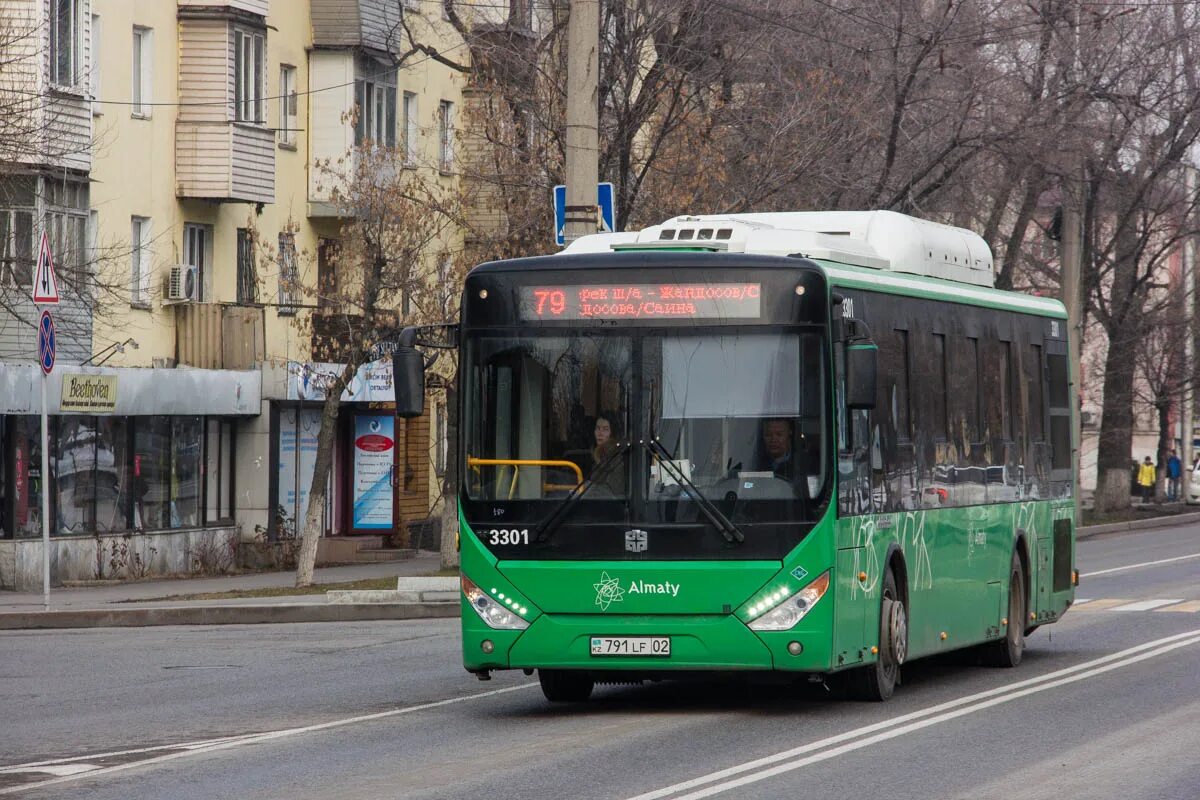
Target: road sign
(46,343)
(606,199)
(45,282)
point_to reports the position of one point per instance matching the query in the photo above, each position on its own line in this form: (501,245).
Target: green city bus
(816,443)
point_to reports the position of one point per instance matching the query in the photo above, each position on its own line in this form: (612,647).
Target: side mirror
(860,374)
(408,376)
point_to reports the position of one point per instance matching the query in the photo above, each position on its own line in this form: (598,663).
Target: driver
(777,436)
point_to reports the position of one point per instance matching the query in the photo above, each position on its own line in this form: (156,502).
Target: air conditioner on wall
(183,284)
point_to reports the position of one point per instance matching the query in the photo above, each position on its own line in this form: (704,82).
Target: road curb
(225,615)
(1167,521)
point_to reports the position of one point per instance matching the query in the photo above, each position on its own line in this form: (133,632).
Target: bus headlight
(790,611)
(493,610)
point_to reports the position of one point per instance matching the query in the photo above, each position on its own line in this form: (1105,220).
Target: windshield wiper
(543,529)
(719,520)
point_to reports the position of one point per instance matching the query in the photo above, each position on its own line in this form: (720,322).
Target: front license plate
(631,645)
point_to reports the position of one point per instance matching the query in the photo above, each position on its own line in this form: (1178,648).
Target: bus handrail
(517,463)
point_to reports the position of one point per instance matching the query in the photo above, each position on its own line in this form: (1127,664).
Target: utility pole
(1071,256)
(1189,310)
(583,141)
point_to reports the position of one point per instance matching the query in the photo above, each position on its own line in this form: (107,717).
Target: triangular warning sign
(45,282)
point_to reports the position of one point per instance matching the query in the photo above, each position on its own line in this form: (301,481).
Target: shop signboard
(88,394)
(374,455)
(308,381)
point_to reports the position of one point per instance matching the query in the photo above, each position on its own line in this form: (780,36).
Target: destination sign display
(641,301)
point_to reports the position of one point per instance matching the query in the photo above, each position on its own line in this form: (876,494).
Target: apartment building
(182,190)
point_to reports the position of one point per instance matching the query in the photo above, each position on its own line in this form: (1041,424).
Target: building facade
(183,182)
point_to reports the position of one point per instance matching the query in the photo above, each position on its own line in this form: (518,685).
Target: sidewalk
(134,604)
(130,604)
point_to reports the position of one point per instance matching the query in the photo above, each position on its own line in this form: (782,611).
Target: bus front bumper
(698,642)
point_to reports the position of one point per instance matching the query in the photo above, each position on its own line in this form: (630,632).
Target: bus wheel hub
(896,647)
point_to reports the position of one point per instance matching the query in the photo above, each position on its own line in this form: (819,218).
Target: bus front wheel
(1007,652)
(564,686)
(877,682)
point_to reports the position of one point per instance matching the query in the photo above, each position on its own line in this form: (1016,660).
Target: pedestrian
(1146,478)
(1174,473)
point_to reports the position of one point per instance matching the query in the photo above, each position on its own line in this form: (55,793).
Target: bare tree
(390,270)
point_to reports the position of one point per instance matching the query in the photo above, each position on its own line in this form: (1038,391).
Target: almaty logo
(608,591)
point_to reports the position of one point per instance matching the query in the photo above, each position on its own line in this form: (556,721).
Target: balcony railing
(219,336)
(225,161)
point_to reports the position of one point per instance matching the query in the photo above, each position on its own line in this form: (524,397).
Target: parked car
(1193,492)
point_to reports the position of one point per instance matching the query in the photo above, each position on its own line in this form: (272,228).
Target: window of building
(288,273)
(143,58)
(375,96)
(139,261)
(249,57)
(327,288)
(445,135)
(520,14)
(411,131)
(66,42)
(247,273)
(94,74)
(287,105)
(67,228)
(197,253)
(18,198)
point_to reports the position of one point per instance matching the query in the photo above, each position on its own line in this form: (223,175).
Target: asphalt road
(1106,705)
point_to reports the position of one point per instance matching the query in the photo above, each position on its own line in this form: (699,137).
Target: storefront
(132,452)
(379,480)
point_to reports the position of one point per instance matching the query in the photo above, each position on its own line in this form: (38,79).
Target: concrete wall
(73,558)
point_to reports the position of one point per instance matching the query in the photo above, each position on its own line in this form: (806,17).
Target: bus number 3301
(505,536)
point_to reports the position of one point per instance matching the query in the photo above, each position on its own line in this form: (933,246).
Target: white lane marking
(1146,605)
(1084,575)
(1029,685)
(58,769)
(118,753)
(951,715)
(255,738)
(1081,601)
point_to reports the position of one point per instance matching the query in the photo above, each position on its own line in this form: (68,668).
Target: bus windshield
(741,420)
(646,421)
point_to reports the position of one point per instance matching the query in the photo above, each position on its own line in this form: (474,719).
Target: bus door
(1056,540)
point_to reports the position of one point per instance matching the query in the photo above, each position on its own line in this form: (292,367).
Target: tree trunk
(1116,423)
(1164,444)
(449,547)
(314,518)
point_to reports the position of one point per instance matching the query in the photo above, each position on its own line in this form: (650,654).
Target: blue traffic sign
(606,198)
(46,342)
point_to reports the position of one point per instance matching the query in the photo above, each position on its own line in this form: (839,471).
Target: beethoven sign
(91,394)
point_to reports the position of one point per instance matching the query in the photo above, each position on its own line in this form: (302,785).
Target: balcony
(219,336)
(258,7)
(224,162)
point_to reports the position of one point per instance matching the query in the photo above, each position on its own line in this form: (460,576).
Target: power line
(307,92)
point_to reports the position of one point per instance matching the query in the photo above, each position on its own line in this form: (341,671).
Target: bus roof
(881,240)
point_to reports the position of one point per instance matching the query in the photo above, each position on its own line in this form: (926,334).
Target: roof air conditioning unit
(183,284)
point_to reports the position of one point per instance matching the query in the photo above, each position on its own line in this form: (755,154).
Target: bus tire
(877,682)
(565,686)
(1007,651)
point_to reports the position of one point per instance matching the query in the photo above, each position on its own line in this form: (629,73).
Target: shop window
(27,474)
(218,471)
(74,469)
(152,472)
(111,481)
(186,441)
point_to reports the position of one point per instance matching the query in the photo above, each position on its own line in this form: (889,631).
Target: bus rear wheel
(877,682)
(1007,652)
(565,686)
